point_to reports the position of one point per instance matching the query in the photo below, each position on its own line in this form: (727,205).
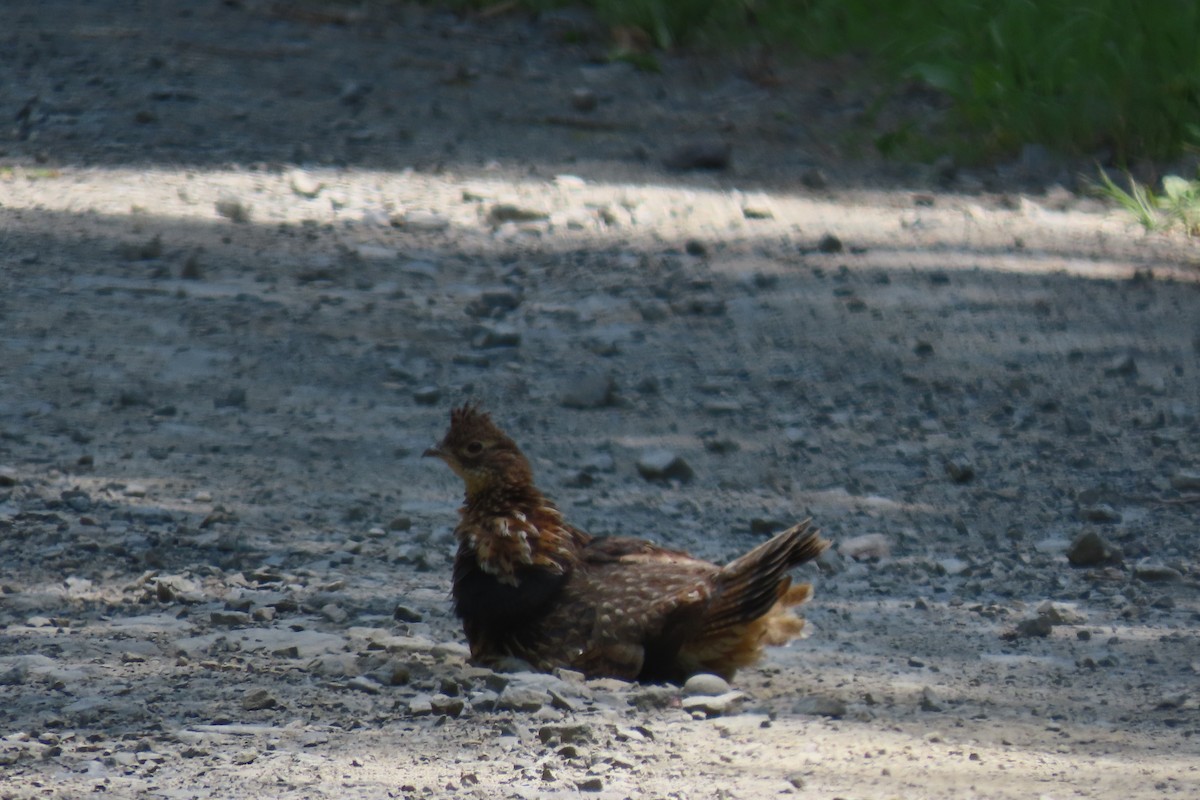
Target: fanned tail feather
(751,585)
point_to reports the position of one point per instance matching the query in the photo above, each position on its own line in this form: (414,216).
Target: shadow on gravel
(390,86)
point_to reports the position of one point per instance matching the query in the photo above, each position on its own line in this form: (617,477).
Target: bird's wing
(639,602)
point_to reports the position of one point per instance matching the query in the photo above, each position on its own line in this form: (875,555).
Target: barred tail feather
(751,585)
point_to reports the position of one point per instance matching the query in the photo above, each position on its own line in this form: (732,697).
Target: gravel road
(251,253)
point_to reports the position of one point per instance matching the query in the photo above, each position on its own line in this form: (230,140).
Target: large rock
(1090,549)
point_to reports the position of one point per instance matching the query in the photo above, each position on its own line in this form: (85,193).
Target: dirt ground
(251,253)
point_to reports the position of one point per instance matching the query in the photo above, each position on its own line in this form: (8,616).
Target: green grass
(1076,75)
(1114,77)
(1079,76)
(1177,206)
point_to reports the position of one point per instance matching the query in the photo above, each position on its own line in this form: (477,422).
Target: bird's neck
(497,499)
(506,529)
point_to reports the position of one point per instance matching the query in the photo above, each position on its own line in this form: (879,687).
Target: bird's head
(481,454)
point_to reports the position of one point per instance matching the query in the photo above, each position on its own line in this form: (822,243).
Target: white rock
(304,184)
(421,221)
(705,684)
(869,545)
(299,644)
(714,706)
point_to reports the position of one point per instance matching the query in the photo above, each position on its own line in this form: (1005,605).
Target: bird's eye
(475,448)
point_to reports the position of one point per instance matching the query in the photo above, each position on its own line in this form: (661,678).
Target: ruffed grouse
(528,585)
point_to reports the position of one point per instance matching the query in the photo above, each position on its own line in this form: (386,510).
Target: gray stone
(404,644)
(1156,571)
(77,499)
(334,613)
(930,701)
(334,665)
(234,398)
(722,407)
(427,395)
(281,642)
(450,706)
(1090,549)
(1034,627)
(1186,480)
(663,465)
(566,733)
(304,184)
(1076,424)
(244,756)
(233,209)
(648,698)
(497,336)
(705,684)
(583,99)
(363,683)
(721,445)
(493,303)
(420,221)
(1124,365)
(516,697)
(510,212)
(757,209)
(714,705)
(1061,613)
(714,155)
(953,566)
(594,390)
(258,699)
(814,178)
(830,244)
(871,546)
(405,614)
(1100,512)
(820,706)
(653,310)
(960,469)
(13,675)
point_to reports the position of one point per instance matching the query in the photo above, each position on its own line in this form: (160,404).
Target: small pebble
(705,684)
(508,212)
(421,222)
(1101,512)
(930,701)
(872,546)
(960,469)
(258,699)
(1186,480)
(711,155)
(233,209)
(663,465)
(594,390)
(583,99)
(714,705)
(830,244)
(304,184)
(1090,548)
(820,706)
(1154,571)
(427,395)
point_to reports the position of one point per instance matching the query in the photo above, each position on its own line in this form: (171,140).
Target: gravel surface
(252,252)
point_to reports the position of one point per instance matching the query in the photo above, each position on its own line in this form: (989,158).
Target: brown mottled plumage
(530,586)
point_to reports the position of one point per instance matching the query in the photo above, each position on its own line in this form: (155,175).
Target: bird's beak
(434,452)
